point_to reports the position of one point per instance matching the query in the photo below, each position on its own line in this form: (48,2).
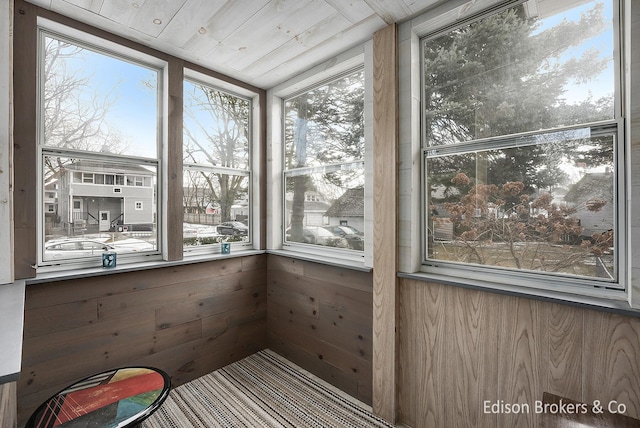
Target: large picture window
(98,141)
(521,137)
(324,165)
(217,167)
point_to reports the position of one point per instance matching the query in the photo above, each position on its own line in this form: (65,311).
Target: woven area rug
(262,390)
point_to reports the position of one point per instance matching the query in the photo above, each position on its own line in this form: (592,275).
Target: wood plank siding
(459,347)
(320,317)
(187,320)
(8,405)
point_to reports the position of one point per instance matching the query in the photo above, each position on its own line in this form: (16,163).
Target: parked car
(131,245)
(74,247)
(233,228)
(354,237)
(319,236)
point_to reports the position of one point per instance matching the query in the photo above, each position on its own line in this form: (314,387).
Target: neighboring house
(95,197)
(348,209)
(315,208)
(593,187)
(199,207)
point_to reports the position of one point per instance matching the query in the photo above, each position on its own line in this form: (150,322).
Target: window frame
(309,170)
(359,57)
(48,28)
(413,255)
(253,166)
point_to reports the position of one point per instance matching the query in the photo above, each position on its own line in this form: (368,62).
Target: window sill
(608,304)
(53,276)
(12,321)
(323,259)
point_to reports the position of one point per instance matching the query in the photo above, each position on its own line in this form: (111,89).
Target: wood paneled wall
(460,347)
(187,320)
(320,317)
(8,405)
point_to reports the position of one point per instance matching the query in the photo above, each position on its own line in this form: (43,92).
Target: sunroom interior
(434,206)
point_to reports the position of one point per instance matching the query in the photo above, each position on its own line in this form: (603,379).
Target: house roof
(350,204)
(592,185)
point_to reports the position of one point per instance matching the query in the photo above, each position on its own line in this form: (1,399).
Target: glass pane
(536,66)
(216,208)
(83,219)
(216,127)
(98,103)
(548,207)
(326,208)
(326,125)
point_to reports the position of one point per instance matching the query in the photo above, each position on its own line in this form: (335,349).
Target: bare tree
(217,135)
(74,109)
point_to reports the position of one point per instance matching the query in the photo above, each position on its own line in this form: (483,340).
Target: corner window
(98,124)
(521,145)
(323,165)
(217,167)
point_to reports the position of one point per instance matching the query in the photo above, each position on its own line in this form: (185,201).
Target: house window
(217,186)
(323,162)
(98,122)
(521,120)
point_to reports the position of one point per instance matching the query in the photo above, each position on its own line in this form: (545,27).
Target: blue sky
(133,112)
(603,84)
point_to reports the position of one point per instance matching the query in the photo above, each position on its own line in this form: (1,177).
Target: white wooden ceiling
(262,42)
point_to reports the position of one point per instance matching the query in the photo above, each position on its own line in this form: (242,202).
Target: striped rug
(262,390)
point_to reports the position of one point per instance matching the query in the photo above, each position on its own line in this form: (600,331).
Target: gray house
(348,209)
(98,197)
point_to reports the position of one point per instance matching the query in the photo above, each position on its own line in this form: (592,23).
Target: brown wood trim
(24,138)
(174,159)
(385,131)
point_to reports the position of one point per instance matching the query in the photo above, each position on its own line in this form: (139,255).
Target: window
(522,133)
(323,164)
(217,177)
(99,116)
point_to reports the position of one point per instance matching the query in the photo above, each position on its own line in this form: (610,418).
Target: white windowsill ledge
(617,306)
(323,259)
(11,322)
(53,276)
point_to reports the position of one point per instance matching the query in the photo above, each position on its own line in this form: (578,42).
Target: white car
(74,247)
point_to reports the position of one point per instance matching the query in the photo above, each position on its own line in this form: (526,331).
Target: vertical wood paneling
(566,335)
(187,320)
(320,318)
(431,334)
(523,346)
(612,360)
(385,142)
(407,362)
(458,348)
(472,321)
